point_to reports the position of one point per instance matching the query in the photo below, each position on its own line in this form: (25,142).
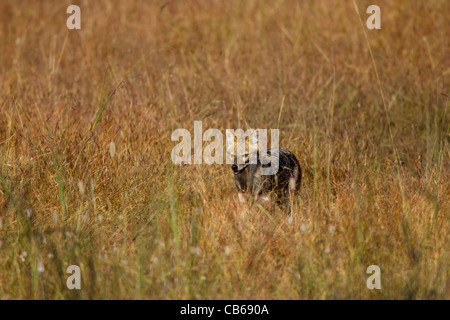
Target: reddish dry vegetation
(86,176)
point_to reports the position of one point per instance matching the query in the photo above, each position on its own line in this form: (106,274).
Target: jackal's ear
(230,144)
(253,139)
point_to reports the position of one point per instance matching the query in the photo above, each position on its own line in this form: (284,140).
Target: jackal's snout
(237,170)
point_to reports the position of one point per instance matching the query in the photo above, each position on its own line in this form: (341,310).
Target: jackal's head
(242,149)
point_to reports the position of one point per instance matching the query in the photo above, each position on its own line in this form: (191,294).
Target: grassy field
(86,176)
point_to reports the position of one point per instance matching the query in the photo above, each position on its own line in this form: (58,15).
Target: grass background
(374,150)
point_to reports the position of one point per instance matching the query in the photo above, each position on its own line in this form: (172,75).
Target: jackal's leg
(264,199)
(293,181)
(290,190)
(287,198)
(241,197)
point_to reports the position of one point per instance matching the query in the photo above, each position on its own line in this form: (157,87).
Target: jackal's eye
(266,165)
(243,159)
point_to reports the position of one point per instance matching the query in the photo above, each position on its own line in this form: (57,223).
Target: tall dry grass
(86,176)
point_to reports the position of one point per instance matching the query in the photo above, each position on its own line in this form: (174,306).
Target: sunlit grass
(86,176)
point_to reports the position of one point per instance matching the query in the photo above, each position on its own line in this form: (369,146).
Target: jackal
(282,182)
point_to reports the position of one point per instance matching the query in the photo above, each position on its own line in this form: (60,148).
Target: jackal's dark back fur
(286,181)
